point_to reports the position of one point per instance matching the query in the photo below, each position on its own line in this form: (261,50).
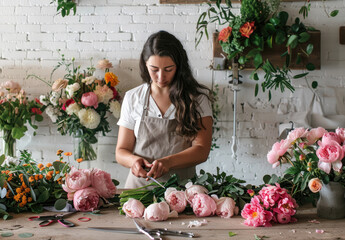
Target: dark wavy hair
(184,89)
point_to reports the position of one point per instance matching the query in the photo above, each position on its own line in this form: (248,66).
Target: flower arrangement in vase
(78,104)
(257,28)
(15,112)
(315,156)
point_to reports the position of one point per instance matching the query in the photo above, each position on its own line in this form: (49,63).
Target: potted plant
(247,36)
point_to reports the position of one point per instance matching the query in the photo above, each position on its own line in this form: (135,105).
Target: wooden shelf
(274,54)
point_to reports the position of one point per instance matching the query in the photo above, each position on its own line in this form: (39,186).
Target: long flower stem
(9,143)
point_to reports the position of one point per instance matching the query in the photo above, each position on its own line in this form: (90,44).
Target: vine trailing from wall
(64,7)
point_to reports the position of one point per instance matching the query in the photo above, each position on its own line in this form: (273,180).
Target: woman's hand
(158,169)
(138,167)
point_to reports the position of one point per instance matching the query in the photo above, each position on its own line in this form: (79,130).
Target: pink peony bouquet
(272,205)
(87,187)
(79,102)
(316,157)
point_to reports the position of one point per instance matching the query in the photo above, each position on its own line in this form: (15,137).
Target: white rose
(70,89)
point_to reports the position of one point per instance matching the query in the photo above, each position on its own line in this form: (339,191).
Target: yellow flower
(111,78)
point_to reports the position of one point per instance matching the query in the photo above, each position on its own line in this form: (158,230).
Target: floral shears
(47,220)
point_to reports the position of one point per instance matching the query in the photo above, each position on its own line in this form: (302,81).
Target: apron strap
(146,103)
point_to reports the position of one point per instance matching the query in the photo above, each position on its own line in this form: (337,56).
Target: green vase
(331,203)
(8,143)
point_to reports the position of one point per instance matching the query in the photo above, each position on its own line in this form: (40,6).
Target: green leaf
(266,179)
(334,13)
(303,37)
(255,77)
(283,16)
(280,37)
(60,204)
(18,132)
(292,40)
(256,89)
(242,60)
(231,234)
(310,67)
(314,84)
(269,41)
(43,197)
(298,59)
(38,118)
(257,60)
(2,159)
(275,21)
(300,75)
(310,48)
(269,28)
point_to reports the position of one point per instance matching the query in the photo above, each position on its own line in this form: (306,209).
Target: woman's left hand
(158,169)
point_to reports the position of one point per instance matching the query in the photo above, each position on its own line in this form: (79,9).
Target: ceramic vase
(331,203)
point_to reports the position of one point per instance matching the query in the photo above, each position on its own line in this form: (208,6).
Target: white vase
(331,203)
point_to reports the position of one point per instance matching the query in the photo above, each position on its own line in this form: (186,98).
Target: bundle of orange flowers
(28,186)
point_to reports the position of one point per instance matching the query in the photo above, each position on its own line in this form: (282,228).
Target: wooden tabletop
(216,227)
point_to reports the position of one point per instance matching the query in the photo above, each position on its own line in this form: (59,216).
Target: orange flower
(29,199)
(18,190)
(27,190)
(48,177)
(49,165)
(247,29)
(225,34)
(315,185)
(31,179)
(36,177)
(59,152)
(68,154)
(40,165)
(111,78)
(79,160)
(40,176)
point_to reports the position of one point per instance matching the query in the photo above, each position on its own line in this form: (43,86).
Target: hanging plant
(65,6)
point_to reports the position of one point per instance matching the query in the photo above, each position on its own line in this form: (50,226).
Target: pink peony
(102,182)
(76,180)
(226,207)
(286,205)
(89,100)
(341,133)
(176,199)
(278,150)
(315,134)
(86,199)
(256,215)
(330,154)
(157,212)
(283,218)
(271,194)
(330,136)
(192,190)
(294,135)
(133,208)
(203,205)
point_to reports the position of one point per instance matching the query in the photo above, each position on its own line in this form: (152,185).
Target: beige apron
(156,139)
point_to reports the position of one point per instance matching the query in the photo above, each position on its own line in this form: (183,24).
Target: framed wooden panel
(273,54)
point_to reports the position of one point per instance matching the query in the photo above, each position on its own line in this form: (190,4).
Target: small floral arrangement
(316,157)
(16,110)
(79,102)
(89,189)
(28,186)
(272,205)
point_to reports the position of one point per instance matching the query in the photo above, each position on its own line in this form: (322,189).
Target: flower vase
(8,143)
(84,147)
(331,203)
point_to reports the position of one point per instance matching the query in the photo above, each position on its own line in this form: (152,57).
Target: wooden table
(216,228)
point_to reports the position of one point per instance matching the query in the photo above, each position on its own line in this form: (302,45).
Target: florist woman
(165,125)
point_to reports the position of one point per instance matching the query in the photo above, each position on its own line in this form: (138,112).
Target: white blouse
(133,104)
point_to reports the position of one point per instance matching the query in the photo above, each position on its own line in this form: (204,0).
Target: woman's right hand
(138,167)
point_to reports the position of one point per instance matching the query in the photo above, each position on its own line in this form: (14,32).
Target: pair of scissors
(153,234)
(47,220)
(153,179)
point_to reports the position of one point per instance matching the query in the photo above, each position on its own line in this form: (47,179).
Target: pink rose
(76,180)
(256,215)
(315,134)
(315,185)
(11,86)
(86,199)
(133,208)
(330,136)
(203,205)
(89,99)
(102,182)
(330,154)
(226,207)
(157,212)
(192,190)
(341,133)
(176,199)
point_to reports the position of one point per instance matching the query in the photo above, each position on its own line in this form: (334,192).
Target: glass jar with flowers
(258,28)
(78,104)
(317,170)
(15,111)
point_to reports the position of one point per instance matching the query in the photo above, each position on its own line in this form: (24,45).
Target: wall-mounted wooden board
(202,1)
(273,54)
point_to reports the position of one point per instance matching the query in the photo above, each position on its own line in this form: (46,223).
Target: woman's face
(162,70)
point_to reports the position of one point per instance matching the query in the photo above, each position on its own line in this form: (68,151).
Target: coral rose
(247,29)
(315,185)
(102,182)
(133,208)
(225,34)
(86,199)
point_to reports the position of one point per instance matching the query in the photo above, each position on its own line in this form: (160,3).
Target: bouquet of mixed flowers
(316,157)
(15,111)
(273,204)
(28,186)
(79,102)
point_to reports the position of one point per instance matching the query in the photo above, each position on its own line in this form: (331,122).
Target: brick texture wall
(31,33)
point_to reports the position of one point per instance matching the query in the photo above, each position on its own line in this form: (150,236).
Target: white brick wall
(31,32)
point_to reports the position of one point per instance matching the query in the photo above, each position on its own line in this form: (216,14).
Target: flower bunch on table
(89,188)
(272,204)
(78,103)
(15,112)
(27,185)
(315,156)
